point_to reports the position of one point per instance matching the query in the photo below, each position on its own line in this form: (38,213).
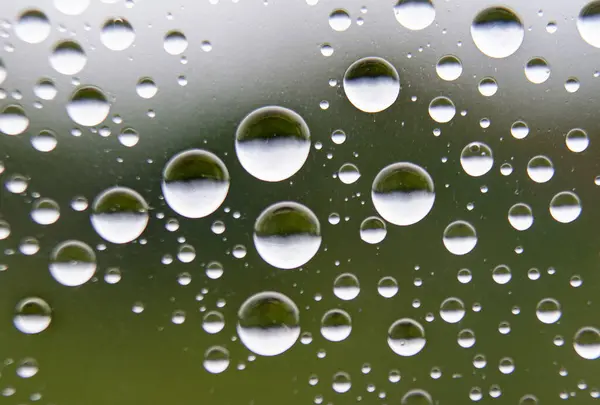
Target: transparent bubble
(348,173)
(497,32)
(452,310)
(336,325)
(68,57)
(488,86)
(17,184)
(403,193)
(175,43)
(460,237)
(540,169)
(572,85)
(45,211)
(195,183)
(287,235)
(519,129)
(71,7)
(588,23)
(501,274)
(272,143)
(520,216)
(32,26)
(442,109)
(346,286)
(213,322)
(406,337)
(186,253)
(537,70)
(72,263)
(415,14)
(44,141)
(449,68)
(373,230)
(88,106)
(269,323)
(387,287)
(476,159)
(216,359)
(466,338)
(341,382)
(27,368)
(371,84)
(339,20)
(586,342)
(117,34)
(119,215)
(214,270)
(565,207)
(548,310)
(32,315)
(146,88)
(577,140)
(178,317)
(13,120)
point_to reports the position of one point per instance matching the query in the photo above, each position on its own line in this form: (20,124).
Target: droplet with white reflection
(13,120)
(540,169)
(387,287)
(32,315)
(117,34)
(519,129)
(129,137)
(565,207)
(548,310)
(417,397)
(88,106)
(406,337)
(71,7)
(442,109)
(452,310)
(415,14)
(339,20)
(373,230)
(68,57)
(460,238)
(577,140)
(175,43)
(146,88)
(586,342)
(476,159)
(45,211)
(520,216)
(336,325)
(27,368)
(537,70)
(588,23)
(488,86)
(341,382)
(214,270)
(72,263)
(348,173)
(213,322)
(44,141)
(371,84)
(501,274)
(497,32)
(45,89)
(32,26)
(346,286)
(449,68)
(216,359)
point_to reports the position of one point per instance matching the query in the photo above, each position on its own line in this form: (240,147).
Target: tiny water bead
(373,230)
(403,193)
(406,337)
(216,359)
(336,325)
(586,342)
(348,173)
(119,215)
(32,315)
(88,106)
(117,34)
(588,23)
(476,159)
(268,323)
(520,216)
(44,141)
(415,14)
(79,203)
(213,322)
(449,68)
(540,169)
(339,20)
(13,120)
(565,207)
(497,32)
(175,43)
(346,286)
(387,287)
(195,183)
(146,88)
(341,382)
(460,237)
(371,84)
(519,130)
(488,86)
(452,310)
(45,211)
(442,109)
(287,235)
(577,140)
(68,58)
(548,311)
(501,274)
(112,275)
(537,70)
(32,26)
(464,276)
(72,263)
(272,143)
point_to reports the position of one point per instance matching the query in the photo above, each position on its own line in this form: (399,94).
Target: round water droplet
(406,337)
(565,207)
(460,237)
(214,270)
(269,323)
(476,159)
(528,400)
(577,140)
(27,368)
(588,23)
(339,20)
(13,120)
(45,89)
(4,229)
(216,359)
(338,137)
(175,43)
(466,338)
(537,70)
(414,14)
(373,230)
(88,106)
(449,68)
(129,137)
(348,173)
(186,253)
(72,263)
(71,7)
(548,310)
(371,84)
(287,235)
(540,169)
(587,342)
(519,129)
(506,169)
(79,203)
(452,310)
(501,274)
(32,26)
(272,143)
(213,322)
(44,141)
(416,397)
(146,88)
(16,184)
(119,215)
(346,286)
(112,275)
(45,211)
(117,34)
(488,86)
(336,325)
(68,58)
(29,246)
(32,315)
(497,32)
(442,109)
(403,193)
(572,85)
(195,183)
(520,216)
(387,287)
(341,382)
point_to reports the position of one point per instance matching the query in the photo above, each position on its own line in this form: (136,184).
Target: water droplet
(371,84)
(406,337)
(79,203)
(326,50)
(4,229)
(186,253)
(519,130)
(387,287)
(338,137)
(29,246)
(414,14)
(348,173)
(464,276)
(540,169)
(88,106)
(44,141)
(449,68)
(588,23)
(528,400)
(341,382)
(214,270)
(32,26)
(460,237)
(117,34)
(565,207)
(442,109)
(287,235)
(346,286)
(488,86)
(119,215)
(68,58)
(572,85)
(520,216)
(45,89)
(216,359)
(72,263)
(32,315)
(497,32)
(13,120)
(45,211)
(476,159)
(269,323)
(336,325)
(466,338)
(586,342)
(27,368)
(71,7)
(112,275)
(17,184)
(146,88)
(452,310)
(213,322)
(218,227)
(577,140)
(548,311)
(175,43)
(272,143)
(537,70)
(403,193)
(373,230)
(501,274)
(339,20)
(129,137)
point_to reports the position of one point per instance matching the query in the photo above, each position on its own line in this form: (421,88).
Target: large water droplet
(117,34)
(72,263)
(45,211)
(175,42)
(32,26)
(442,109)
(71,7)
(588,23)
(68,57)
(586,342)
(449,68)
(216,359)
(537,70)
(577,140)
(548,310)
(88,106)
(336,325)
(414,14)
(476,159)
(339,20)
(497,32)
(373,230)
(13,120)
(565,207)
(520,216)
(460,237)
(540,169)
(406,337)
(346,286)
(32,315)
(452,310)
(371,84)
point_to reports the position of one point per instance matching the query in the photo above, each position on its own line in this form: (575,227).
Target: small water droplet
(175,43)
(13,120)
(540,169)
(537,70)
(460,237)
(336,325)
(348,173)
(588,23)
(406,337)
(442,109)
(548,310)
(117,34)
(488,86)
(577,140)
(68,58)
(371,84)
(216,359)
(565,207)
(586,342)
(520,216)
(88,106)
(32,315)
(476,159)
(449,68)
(497,32)
(346,286)
(414,14)
(339,20)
